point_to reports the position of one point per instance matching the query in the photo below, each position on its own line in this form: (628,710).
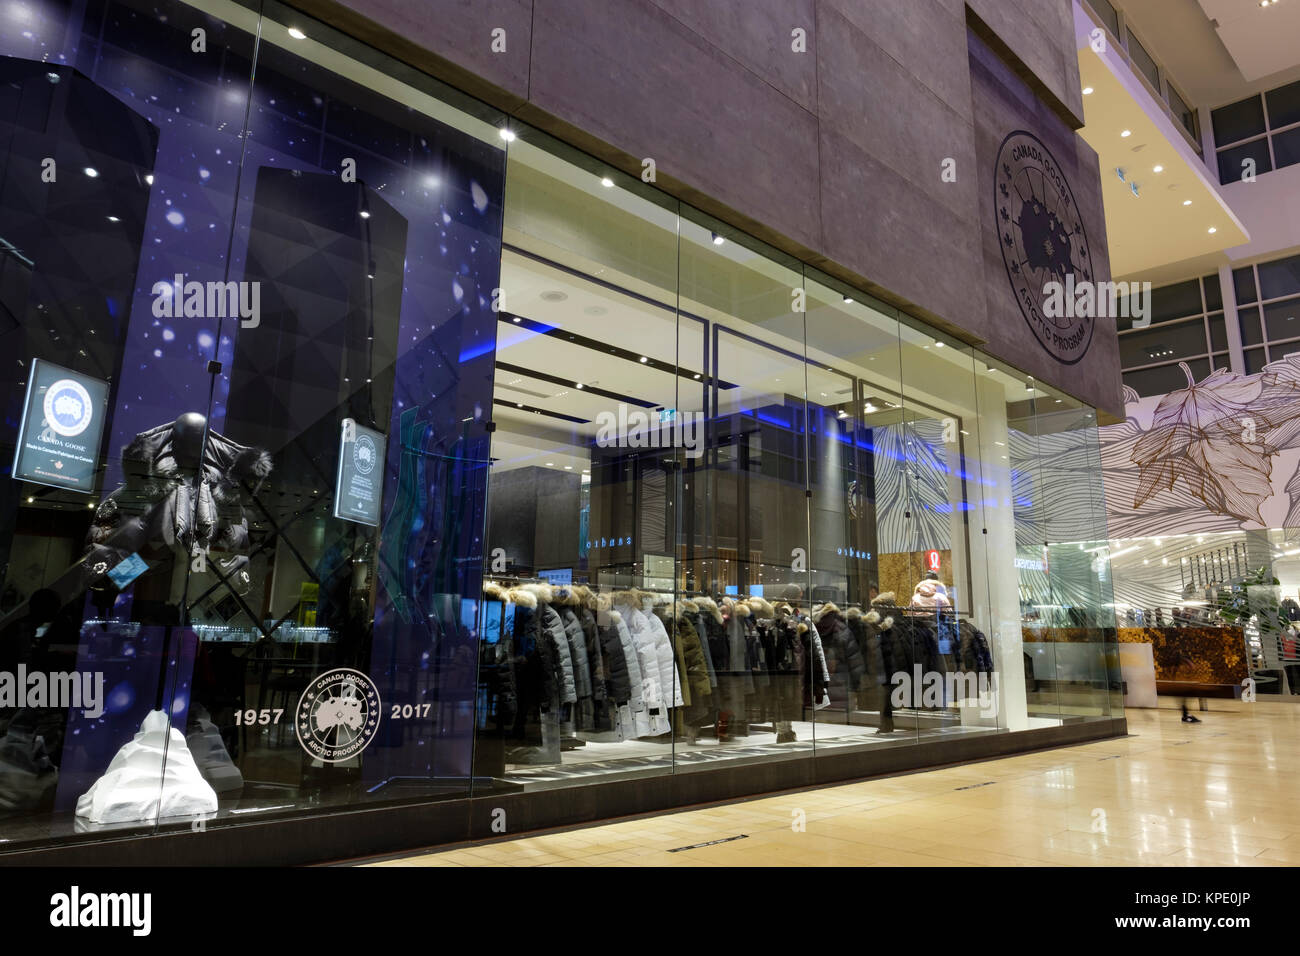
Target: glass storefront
(367,446)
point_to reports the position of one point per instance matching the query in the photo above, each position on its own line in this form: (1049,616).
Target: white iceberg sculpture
(142,782)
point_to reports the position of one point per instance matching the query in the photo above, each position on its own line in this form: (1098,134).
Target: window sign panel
(62,428)
(358,490)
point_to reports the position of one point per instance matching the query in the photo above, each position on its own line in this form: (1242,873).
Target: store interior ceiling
(587,326)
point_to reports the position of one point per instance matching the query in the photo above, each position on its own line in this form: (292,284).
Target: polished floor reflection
(1221,792)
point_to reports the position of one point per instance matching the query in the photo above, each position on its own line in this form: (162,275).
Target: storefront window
(366,446)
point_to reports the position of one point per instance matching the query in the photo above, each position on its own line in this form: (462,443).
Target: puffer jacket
(600,677)
(973,652)
(496,655)
(553,628)
(577,650)
(734,615)
(646,649)
(867,629)
(538,674)
(843,654)
(692,662)
(620,670)
(714,634)
(761,612)
(927,594)
(702,633)
(667,665)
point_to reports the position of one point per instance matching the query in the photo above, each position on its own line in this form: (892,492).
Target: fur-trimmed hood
(761,608)
(494,592)
(737,608)
(888,599)
(540,592)
(523,596)
(710,607)
(823,611)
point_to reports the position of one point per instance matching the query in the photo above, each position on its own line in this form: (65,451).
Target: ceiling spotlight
(697,376)
(149,178)
(1087,91)
(297,34)
(507,134)
(577,385)
(607,182)
(1213,230)
(91,171)
(848,299)
(644,360)
(365,214)
(717,239)
(1187,202)
(113,219)
(1126,133)
(938,345)
(515,320)
(1157,169)
(550,464)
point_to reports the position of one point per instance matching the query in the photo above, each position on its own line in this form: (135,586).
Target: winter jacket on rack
(715,633)
(866,629)
(692,660)
(973,651)
(843,654)
(734,615)
(702,633)
(497,658)
(584,603)
(577,651)
(553,632)
(668,674)
(653,719)
(623,677)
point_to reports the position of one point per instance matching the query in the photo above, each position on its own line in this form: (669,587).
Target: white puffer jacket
(667,664)
(647,656)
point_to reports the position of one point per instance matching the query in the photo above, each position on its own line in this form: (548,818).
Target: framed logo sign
(62,428)
(1043,241)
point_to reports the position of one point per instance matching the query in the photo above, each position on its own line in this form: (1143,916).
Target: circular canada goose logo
(1041,235)
(67,408)
(363,454)
(338,715)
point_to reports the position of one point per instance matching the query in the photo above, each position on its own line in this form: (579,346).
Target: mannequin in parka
(692,667)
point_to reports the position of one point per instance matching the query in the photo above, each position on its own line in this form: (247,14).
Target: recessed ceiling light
(1126,133)
(515,320)
(607,182)
(149,178)
(91,171)
(553,295)
(1187,202)
(717,239)
(644,360)
(113,219)
(1213,230)
(550,464)
(568,468)
(595,310)
(848,299)
(507,134)
(1157,169)
(697,376)
(577,385)
(365,214)
(1087,91)
(938,345)
(297,34)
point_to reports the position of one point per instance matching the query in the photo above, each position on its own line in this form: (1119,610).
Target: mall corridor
(1217,793)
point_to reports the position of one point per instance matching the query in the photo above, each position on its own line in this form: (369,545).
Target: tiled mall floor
(1222,792)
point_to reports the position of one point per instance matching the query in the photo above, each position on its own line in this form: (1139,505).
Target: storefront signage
(932,560)
(61,429)
(359,487)
(1041,235)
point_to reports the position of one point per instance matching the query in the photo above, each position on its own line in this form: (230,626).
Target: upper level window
(1258,134)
